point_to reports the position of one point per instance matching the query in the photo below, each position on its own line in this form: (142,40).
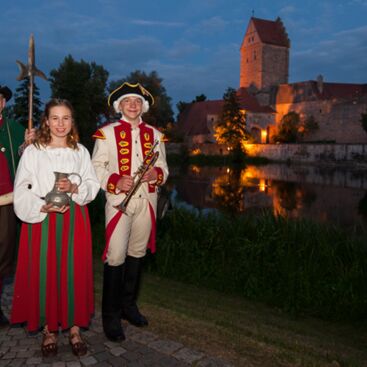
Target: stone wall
(339,121)
(310,153)
(300,153)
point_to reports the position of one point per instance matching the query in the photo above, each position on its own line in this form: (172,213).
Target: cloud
(183,48)
(152,23)
(213,26)
(287,10)
(339,64)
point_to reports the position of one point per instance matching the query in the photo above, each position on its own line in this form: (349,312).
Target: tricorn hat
(6,92)
(126,90)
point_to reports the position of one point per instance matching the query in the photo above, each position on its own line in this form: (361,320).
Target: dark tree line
(85,86)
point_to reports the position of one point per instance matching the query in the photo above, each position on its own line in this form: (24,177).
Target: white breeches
(131,234)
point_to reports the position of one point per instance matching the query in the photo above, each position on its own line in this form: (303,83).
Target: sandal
(49,344)
(78,345)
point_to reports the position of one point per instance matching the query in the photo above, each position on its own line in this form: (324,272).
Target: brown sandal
(78,347)
(49,344)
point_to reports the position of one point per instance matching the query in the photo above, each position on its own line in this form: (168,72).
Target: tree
(84,85)
(364,121)
(20,108)
(181,106)
(200,98)
(160,114)
(288,128)
(308,126)
(231,127)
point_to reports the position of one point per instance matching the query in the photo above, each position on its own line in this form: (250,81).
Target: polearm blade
(30,71)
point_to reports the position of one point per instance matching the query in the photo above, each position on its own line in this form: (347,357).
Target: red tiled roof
(308,90)
(271,32)
(193,120)
(249,103)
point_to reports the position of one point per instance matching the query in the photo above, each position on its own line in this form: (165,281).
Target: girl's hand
(49,208)
(65,185)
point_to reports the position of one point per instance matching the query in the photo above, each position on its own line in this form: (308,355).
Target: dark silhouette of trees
(84,85)
(20,107)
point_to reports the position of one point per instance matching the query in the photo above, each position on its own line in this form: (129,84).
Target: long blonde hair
(43,133)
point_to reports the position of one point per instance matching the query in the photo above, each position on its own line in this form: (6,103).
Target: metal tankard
(55,196)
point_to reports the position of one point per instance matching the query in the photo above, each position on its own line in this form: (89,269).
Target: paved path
(141,348)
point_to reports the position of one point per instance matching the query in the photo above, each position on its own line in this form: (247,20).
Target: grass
(242,332)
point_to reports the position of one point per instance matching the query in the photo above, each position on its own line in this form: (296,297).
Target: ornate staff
(29,71)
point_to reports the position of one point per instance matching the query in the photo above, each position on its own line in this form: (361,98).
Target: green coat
(11,138)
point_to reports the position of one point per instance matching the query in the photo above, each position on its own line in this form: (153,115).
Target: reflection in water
(332,196)
(227,191)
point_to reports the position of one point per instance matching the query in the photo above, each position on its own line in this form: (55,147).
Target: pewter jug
(57,197)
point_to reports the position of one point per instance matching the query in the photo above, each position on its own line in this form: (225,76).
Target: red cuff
(112,182)
(160,176)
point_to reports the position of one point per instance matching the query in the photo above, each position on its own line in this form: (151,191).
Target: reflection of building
(295,192)
(265,95)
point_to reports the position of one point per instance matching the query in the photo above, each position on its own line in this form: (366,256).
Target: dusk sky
(193,45)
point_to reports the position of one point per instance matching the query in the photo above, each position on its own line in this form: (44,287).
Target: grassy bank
(247,333)
(301,267)
(213,278)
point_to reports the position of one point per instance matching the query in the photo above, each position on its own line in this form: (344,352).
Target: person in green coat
(13,137)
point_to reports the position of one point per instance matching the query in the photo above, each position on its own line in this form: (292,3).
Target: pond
(327,195)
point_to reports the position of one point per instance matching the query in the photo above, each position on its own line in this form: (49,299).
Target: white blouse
(35,178)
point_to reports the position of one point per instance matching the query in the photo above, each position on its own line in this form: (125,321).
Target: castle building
(265,95)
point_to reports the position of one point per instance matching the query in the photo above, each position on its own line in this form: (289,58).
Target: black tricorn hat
(127,88)
(6,92)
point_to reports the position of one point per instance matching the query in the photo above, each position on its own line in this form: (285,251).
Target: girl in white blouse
(54,280)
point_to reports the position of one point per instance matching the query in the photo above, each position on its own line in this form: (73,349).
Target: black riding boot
(130,290)
(111,307)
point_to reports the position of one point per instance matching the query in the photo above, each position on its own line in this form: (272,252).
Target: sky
(193,45)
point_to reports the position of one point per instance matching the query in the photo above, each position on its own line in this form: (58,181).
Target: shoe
(78,346)
(49,344)
(130,291)
(112,329)
(134,317)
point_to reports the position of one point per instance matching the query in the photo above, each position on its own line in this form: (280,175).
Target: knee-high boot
(130,290)
(111,307)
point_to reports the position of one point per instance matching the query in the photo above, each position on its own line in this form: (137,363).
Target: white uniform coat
(119,149)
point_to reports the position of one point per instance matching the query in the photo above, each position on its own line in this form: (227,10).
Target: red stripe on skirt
(27,281)
(26,305)
(83,282)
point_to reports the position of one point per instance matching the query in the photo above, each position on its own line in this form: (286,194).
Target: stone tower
(264,55)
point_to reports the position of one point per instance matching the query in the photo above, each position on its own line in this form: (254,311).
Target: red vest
(5,180)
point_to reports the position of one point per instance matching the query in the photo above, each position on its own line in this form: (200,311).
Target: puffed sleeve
(89,186)
(27,204)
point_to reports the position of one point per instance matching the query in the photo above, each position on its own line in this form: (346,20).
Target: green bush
(302,267)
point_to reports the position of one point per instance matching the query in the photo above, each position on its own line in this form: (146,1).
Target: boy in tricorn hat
(120,149)
(12,134)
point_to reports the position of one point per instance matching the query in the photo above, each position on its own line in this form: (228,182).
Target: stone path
(141,348)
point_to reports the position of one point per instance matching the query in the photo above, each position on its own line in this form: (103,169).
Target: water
(327,195)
